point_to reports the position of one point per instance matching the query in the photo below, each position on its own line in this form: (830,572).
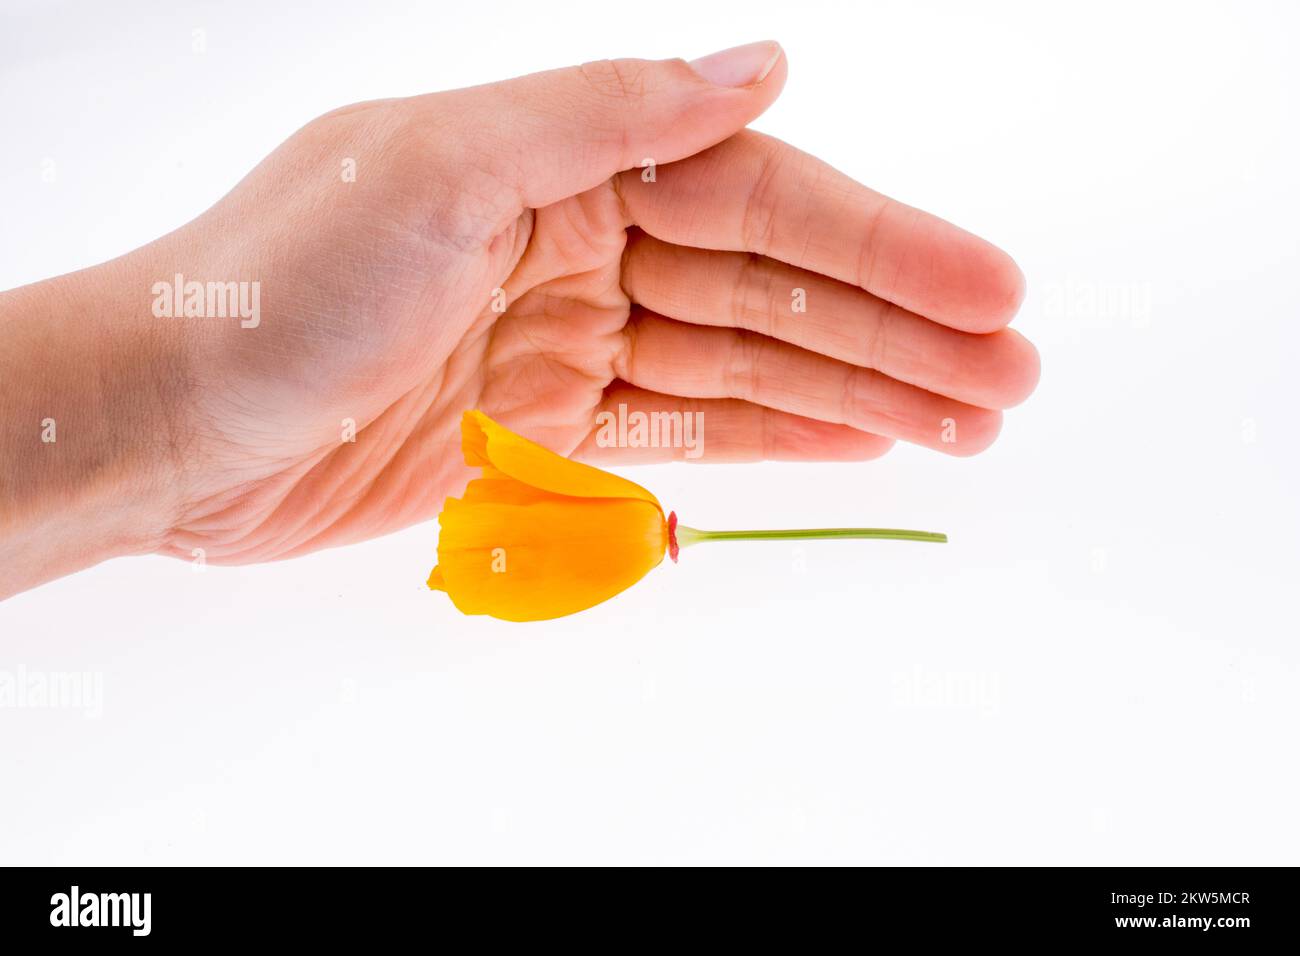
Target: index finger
(753,193)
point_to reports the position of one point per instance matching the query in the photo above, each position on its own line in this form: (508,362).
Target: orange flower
(539,536)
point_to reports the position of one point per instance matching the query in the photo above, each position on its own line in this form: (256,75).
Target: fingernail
(739,66)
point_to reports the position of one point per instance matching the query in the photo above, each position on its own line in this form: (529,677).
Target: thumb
(555,134)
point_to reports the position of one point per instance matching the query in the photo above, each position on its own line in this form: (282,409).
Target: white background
(1100,668)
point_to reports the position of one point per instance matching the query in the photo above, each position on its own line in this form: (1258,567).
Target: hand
(386,238)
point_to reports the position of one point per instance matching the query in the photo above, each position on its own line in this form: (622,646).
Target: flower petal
(547,558)
(490,445)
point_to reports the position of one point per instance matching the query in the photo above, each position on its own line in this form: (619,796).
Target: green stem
(688,536)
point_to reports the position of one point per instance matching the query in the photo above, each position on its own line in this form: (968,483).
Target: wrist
(89,436)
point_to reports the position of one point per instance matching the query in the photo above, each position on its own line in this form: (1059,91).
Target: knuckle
(758,221)
(851,399)
(886,315)
(623,365)
(616,79)
(435,185)
(752,300)
(744,367)
(407,176)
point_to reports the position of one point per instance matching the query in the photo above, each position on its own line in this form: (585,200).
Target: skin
(379,304)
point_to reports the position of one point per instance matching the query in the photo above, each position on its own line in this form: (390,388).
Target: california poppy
(539,536)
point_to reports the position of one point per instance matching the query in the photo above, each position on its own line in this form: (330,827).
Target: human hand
(380,296)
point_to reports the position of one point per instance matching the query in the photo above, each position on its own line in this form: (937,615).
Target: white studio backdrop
(1101,666)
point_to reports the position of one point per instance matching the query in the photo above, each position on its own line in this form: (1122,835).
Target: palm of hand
(360,434)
